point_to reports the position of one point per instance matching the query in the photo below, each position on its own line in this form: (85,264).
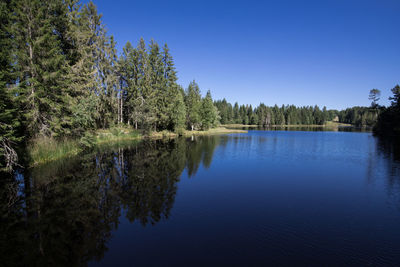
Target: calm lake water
(296,198)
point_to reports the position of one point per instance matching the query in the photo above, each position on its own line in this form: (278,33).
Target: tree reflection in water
(62,214)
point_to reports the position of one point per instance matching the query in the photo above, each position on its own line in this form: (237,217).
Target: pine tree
(177,110)
(157,88)
(83,43)
(41,66)
(127,83)
(208,112)
(145,103)
(9,122)
(193,105)
(396,96)
(236,116)
(171,95)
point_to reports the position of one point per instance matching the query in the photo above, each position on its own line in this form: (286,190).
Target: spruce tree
(177,110)
(193,105)
(82,36)
(145,103)
(208,112)
(170,94)
(9,119)
(41,67)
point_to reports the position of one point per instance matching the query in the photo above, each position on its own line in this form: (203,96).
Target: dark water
(276,198)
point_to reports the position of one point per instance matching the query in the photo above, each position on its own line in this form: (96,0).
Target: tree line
(359,116)
(263,115)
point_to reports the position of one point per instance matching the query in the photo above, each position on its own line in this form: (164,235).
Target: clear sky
(325,52)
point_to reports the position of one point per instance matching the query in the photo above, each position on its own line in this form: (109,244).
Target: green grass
(336,124)
(116,134)
(238,125)
(47,149)
(218,130)
(44,150)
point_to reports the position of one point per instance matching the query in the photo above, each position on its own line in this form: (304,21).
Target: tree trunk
(121,108)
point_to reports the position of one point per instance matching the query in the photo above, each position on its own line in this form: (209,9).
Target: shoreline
(43,151)
(328,124)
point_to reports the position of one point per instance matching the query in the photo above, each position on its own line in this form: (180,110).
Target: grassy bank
(214,131)
(45,150)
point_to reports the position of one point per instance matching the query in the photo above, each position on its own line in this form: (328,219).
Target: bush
(87,141)
(164,133)
(180,131)
(116,132)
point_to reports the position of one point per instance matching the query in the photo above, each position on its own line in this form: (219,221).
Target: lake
(296,198)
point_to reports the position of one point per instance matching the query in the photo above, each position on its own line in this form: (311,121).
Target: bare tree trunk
(10,156)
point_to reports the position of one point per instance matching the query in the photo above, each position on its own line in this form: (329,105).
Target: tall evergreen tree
(177,110)
(193,105)
(9,120)
(157,86)
(208,112)
(41,67)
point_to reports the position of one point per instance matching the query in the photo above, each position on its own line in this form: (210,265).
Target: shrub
(88,141)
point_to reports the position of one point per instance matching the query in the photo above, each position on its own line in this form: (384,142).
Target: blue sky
(278,52)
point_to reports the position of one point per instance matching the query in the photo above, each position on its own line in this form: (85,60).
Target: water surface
(310,198)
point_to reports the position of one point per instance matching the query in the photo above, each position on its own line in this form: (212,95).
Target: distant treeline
(264,116)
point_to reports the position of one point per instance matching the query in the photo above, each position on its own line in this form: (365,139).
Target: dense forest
(266,116)
(62,77)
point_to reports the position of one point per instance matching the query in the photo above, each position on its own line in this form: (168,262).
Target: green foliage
(396,96)
(359,116)
(267,116)
(88,141)
(389,119)
(177,111)
(193,105)
(9,117)
(117,132)
(45,149)
(208,112)
(60,78)
(41,66)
